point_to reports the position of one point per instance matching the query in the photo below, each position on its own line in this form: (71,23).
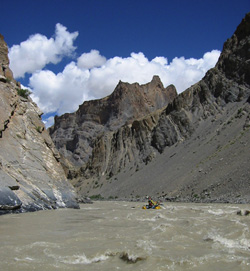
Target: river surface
(122,236)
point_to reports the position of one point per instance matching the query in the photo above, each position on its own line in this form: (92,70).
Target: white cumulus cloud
(65,91)
(91,60)
(38,51)
(92,76)
(61,92)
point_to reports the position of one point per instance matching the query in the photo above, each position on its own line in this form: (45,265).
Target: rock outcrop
(190,147)
(31,176)
(5,72)
(78,136)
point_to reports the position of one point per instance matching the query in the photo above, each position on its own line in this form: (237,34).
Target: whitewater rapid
(123,236)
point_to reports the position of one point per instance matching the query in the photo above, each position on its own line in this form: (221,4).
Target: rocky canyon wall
(31,176)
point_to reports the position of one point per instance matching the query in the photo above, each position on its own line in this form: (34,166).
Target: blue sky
(69,51)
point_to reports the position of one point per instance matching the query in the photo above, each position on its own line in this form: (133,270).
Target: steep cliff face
(31,177)
(227,83)
(75,135)
(194,148)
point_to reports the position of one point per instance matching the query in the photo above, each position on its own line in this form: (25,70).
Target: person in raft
(152,203)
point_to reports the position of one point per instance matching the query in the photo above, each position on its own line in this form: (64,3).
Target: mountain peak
(127,103)
(156,78)
(234,59)
(243,29)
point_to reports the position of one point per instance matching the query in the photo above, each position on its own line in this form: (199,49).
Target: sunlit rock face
(31,176)
(76,134)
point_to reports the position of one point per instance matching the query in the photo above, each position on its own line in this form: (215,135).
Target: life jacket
(151,202)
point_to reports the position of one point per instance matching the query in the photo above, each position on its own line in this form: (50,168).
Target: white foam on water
(90,208)
(241,243)
(153,219)
(173,220)
(216,212)
(220,212)
(25,259)
(77,259)
(82,259)
(162,227)
(244,225)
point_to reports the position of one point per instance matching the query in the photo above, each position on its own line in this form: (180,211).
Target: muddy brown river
(122,236)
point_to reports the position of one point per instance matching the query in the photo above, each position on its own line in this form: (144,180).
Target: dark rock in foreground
(243,212)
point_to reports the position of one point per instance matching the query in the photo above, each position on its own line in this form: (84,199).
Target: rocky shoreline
(165,199)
